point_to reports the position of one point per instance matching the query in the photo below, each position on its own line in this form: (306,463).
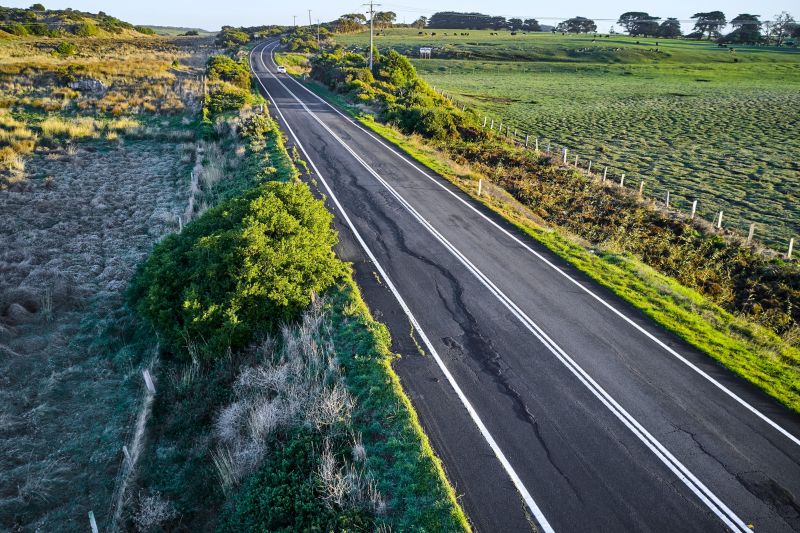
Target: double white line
(725,514)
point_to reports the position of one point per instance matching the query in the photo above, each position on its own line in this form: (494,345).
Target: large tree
(420,22)
(385,19)
(515,24)
(465,21)
(670,28)
(531,25)
(639,23)
(577,25)
(709,23)
(746,29)
(779,28)
(350,23)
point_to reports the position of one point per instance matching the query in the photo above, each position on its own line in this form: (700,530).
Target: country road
(553,404)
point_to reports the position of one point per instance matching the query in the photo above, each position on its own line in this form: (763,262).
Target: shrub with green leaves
(242,268)
(224,68)
(87,29)
(66,49)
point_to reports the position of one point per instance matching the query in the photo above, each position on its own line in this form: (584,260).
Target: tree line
(747,28)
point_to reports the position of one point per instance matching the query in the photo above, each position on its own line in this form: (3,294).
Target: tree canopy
(577,25)
(709,23)
(639,23)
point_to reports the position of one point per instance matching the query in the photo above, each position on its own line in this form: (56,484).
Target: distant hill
(173,31)
(38,21)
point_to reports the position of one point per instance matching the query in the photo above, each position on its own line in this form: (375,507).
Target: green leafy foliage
(231,37)
(66,49)
(87,29)
(224,68)
(241,268)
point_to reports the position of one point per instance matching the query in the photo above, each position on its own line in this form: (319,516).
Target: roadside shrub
(231,37)
(144,30)
(227,97)
(226,69)
(241,268)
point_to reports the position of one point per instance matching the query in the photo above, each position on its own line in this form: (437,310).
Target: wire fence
(646,189)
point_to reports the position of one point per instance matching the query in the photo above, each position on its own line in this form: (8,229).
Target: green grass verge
(749,350)
(399,452)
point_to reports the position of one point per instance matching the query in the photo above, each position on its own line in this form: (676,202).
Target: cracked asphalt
(584,468)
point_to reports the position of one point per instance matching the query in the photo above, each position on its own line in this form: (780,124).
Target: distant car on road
(281,70)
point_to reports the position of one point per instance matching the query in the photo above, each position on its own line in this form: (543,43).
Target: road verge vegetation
(732,301)
(278,409)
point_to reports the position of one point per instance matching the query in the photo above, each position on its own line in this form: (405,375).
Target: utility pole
(371,29)
(295,20)
(317,33)
(309,17)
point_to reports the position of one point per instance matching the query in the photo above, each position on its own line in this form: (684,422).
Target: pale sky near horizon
(211,15)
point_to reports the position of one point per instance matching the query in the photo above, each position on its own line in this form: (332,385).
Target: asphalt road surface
(553,404)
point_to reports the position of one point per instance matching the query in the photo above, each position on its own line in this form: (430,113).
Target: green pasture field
(688,117)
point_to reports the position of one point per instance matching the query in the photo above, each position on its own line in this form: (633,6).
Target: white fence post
(148,381)
(565,156)
(492,126)
(694,209)
(719,221)
(605,172)
(791,248)
(92,522)
(641,188)
(622,180)
(666,202)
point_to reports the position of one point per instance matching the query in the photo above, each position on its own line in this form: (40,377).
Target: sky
(211,15)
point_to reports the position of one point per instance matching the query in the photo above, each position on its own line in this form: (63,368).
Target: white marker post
(92,522)
(791,248)
(565,156)
(480,187)
(537,145)
(589,169)
(485,118)
(148,381)
(527,137)
(180,224)
(719,221)
(751,233)
(694,209)
(622,180)
(666,202)
(641,188)
(576,160)
(492,126)
(605,173)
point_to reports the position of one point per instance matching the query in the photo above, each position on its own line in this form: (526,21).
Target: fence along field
(689,118)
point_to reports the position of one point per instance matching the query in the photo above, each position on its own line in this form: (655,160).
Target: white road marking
(588,291)
(690,480)
(534,508)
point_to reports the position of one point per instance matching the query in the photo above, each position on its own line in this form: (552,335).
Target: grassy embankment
(287,402)
(751,350)
(689,119)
